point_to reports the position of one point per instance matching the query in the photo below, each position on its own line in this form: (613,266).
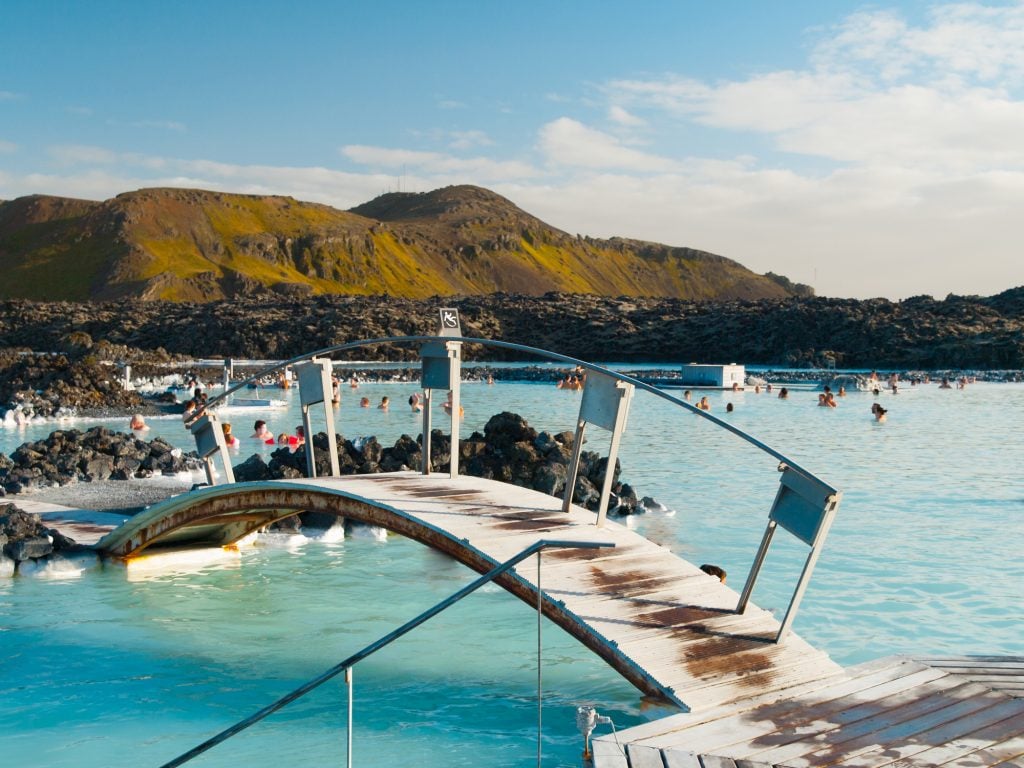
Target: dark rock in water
(625,502)
(585,494)
(550,478)
(29,548)
(504,429)
(69,456)
(98,468)
(253,468)
(372,450)
(23,537)
(650,504)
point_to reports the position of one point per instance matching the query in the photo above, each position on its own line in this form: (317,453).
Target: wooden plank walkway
(897,712)
(659,620)
(661,623)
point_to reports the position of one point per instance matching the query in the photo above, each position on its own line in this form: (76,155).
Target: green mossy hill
(199,246)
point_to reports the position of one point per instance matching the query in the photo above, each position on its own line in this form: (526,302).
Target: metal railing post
(540,701)
(348,747)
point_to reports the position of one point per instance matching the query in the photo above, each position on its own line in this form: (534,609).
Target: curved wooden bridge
(754,695)
(660,621)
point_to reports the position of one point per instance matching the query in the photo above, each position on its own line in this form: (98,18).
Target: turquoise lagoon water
(118,667)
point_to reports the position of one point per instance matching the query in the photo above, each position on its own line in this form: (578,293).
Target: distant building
(722,376)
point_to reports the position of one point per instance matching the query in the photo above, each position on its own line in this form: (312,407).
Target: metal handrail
(539,353)
(377,645)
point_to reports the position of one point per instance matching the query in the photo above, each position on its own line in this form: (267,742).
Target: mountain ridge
(198,245)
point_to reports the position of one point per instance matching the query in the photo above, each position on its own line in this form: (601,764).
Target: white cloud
(878,91)
(79,154)
(83,154)
(970,40)
(7,147)
(567,142)
(164,125)
(622,117)
(872,232)
(436,162)
(469,139)
(9,95)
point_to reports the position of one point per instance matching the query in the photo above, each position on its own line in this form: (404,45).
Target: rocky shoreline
(955,333)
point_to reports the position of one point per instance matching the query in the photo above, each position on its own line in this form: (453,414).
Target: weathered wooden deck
(896,712)
(660,621)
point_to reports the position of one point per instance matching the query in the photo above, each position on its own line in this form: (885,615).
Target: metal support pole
(348,748)
(307,429)
(427,398)
(755,569)
(609,477)
(539,658)
(574,465)
(453,465)
(208,466)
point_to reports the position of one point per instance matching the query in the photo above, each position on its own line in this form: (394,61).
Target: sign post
(442,369)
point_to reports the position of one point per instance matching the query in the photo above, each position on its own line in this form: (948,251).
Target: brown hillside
(193,245)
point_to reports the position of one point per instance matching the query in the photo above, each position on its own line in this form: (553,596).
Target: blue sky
(866,149)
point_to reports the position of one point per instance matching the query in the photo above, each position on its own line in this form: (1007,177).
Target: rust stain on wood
(720,656)
(678,614)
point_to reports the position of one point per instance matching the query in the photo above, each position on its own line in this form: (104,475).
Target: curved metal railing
(328,351)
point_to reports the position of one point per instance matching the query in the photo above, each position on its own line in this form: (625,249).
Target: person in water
(260,432)
(231,440)
(138,424)
(446,406)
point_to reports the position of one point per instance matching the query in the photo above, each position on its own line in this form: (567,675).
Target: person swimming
(138,424)
(231,440)
(260,432)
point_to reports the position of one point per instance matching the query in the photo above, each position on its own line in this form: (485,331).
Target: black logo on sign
(449,318)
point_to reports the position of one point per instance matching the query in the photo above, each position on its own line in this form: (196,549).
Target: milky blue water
(122,668)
